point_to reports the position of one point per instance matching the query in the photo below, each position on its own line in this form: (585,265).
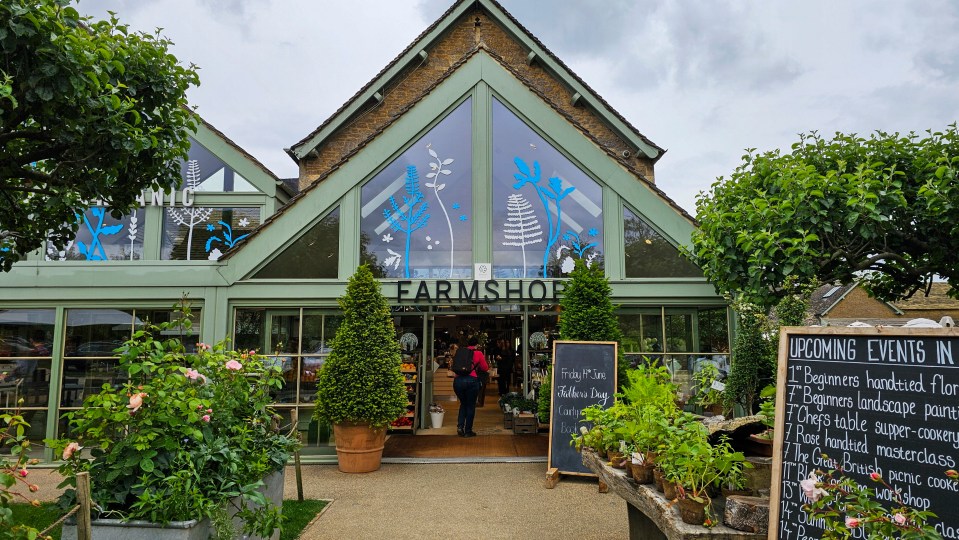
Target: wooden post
(295,416)
(84,527)
(552,478)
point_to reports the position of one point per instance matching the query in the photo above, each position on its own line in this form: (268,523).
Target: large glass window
(648,254)
(205,172)
(416,215)
(101,237)
(26,337)
(205,233)
(92,335)
(312,256)
(546,211)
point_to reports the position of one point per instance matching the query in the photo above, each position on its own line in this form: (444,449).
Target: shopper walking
(467,388)
(504,367)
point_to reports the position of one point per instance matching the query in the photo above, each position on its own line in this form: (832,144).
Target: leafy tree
(886,208)
(361,379)
(88,111)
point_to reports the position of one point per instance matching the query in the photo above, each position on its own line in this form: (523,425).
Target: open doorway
(499,336)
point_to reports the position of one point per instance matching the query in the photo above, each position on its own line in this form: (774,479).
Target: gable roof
(416,51)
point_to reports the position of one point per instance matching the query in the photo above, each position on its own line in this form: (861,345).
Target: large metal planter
(115,529)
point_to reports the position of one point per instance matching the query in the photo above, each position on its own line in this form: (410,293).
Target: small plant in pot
(703,465)
(360,388)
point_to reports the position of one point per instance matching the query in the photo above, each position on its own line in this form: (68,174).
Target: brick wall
(462,38)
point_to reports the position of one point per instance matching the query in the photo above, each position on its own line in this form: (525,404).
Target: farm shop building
(470,173)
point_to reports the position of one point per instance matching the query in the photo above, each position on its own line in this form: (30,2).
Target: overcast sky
(705,80)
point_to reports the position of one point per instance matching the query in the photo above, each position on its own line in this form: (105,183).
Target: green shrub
(361,380)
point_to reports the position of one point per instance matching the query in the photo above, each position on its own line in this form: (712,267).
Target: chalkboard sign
(872,399)
(584,374)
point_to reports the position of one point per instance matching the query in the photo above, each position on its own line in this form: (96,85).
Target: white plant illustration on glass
(437,169)
(190,217)
(132,232)
(521,228)
(395,259)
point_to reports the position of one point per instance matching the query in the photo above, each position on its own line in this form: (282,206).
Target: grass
(298,515)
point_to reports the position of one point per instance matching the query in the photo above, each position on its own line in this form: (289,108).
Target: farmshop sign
(479,292)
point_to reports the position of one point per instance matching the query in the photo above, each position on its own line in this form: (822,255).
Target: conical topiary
(360,380)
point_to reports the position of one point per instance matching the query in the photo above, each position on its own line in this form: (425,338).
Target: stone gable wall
(461,39)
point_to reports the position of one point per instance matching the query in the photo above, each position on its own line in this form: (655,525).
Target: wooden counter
(651,516)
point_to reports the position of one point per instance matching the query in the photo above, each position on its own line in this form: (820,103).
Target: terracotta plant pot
(616,459)
(669,489)
(658,479)
(359,448)
(760,446)
(692,512)
(643,474)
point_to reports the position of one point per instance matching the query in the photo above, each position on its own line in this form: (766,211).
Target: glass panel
(204,233)
(284,331)
(205,172)
(679,332)
(713,330)
(648,254)
(416,218)
(188,336)
(26,332)
(249,329)
(101,237)
(97,332)
(546,211)
(26,379)
(290,367)
(651,332)
(82,378)
(37,431)
(309,368)
(314,255)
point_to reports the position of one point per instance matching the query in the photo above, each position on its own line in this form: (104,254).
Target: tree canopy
(89,111)
(883,210)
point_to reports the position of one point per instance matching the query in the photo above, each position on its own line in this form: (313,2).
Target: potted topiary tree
(360,388)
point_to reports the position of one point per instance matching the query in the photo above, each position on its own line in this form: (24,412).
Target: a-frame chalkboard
(874,399)
(584,374)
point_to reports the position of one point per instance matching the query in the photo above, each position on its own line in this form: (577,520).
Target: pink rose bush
(158,451)
(843,505)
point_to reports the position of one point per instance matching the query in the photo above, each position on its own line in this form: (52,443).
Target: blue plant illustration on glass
(579,246)
(228,240)
(411,216)
(554,195)
(95,251)
(437,169)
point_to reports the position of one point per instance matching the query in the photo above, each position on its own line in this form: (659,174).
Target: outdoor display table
(651,516)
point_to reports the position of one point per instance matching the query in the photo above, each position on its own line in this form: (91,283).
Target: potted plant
(702,465)
(437,412)
(762,443)
(360,388)
(190,437)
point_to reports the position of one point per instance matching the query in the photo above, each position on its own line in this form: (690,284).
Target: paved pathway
(446,501)
(488,500)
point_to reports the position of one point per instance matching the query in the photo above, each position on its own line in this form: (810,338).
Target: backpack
(463,362)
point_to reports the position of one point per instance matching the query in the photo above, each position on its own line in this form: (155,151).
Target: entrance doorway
(528,337)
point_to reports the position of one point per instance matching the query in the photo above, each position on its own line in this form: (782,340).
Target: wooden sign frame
(553,472)
(781,386)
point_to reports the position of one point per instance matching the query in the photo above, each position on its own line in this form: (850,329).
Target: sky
(704,80)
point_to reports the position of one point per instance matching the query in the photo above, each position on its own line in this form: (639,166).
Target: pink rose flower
(23,473)
(852,522)
(192,374)
(34,488)
(203,346)
(206,418)
(234,365)
(70,449)
(900,519)
(951,473)
(875,477)
(810,490)
(136,401)
(210,411)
